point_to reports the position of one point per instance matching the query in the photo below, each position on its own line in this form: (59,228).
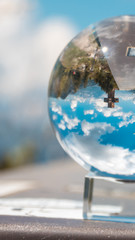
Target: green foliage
(71,56)
(76,68)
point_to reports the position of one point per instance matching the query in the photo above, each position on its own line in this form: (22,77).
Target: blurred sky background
(32,35)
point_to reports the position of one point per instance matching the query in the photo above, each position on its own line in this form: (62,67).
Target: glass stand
(102,212)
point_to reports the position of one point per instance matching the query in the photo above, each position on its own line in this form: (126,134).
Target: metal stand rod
(87,198)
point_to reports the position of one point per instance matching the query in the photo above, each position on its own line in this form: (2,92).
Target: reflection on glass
(130,52)
(92,99)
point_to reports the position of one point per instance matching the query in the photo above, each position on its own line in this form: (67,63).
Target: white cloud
(54,117)
(71,122)
(76,98)
(91,112)
(99,102)
(118,114)
(62,125)
(8,8)
(98,127)
(28,49)
(127,96)
(127,122)
(101,106)
(126,117)
(73,104)
(56,108)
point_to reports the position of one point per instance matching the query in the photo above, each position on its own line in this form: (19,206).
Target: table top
(22,189)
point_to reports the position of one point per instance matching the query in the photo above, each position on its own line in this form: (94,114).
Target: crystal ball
(92,98)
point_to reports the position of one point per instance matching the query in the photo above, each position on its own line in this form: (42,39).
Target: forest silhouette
(76,68)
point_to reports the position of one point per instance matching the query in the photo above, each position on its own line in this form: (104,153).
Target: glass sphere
(92,98)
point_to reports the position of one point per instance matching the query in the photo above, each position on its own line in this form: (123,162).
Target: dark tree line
(76,68)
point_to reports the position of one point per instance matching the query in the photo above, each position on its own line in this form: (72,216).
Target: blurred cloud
(8,8)
(28,49)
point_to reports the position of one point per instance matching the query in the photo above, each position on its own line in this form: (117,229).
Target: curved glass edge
(67,68)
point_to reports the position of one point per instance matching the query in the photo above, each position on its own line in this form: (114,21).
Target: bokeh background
(32,35)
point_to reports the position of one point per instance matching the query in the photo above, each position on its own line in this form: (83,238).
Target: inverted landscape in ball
(92,98)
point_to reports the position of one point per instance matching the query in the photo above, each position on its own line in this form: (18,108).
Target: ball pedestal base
(114,213)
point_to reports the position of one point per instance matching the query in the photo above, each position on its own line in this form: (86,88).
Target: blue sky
(33,33)
(121,117)
(94,134)
(83,13)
